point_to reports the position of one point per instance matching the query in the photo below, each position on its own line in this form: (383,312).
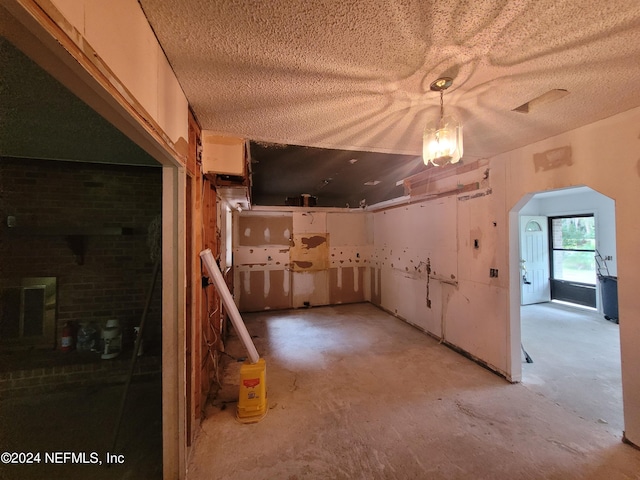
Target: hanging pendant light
(442,142)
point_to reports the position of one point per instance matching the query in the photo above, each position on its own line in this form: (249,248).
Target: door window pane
(533,226)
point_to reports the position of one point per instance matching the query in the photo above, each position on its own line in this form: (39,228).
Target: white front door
(534,260)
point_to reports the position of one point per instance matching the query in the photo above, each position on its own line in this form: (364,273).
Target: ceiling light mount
(442,142)
(441,84)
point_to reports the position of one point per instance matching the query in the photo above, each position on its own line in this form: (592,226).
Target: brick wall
(113,277)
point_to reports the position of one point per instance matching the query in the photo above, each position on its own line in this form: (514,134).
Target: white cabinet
(223,155)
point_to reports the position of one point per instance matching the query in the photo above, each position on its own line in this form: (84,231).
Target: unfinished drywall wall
(416,255)
(297,257)
(453,269)
(351,248)
(261,259)
(309,257)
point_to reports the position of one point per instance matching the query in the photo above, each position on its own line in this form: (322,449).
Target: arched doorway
(575,351)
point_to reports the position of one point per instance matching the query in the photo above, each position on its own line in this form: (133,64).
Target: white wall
(480,314)
(457,300)
(408,241)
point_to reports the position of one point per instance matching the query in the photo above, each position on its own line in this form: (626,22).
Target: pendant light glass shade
(442,142)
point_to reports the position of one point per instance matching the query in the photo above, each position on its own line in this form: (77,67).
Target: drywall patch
(267,283)
(264,230)
(552,159)
(246,283)
(346,285)
(314,241)
(264,290)
(302,265)
(252,295)
(309,252)
(278,296)
(376,283)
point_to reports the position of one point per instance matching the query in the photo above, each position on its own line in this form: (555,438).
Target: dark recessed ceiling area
(338,178)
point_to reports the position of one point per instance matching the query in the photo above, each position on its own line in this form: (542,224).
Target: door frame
(546,291)
(35,34)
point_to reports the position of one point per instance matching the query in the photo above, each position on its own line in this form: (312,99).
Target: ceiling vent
(550,96)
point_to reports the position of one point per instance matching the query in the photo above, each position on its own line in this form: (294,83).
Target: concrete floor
(80,420)
(357,394)
(576,361)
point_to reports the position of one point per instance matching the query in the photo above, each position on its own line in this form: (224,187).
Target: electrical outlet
(493,272)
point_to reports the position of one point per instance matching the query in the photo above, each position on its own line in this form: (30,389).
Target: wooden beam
(432,174)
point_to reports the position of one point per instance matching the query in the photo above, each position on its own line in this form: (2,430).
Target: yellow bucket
(252,402)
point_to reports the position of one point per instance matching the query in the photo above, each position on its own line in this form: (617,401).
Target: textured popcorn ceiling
(354,74)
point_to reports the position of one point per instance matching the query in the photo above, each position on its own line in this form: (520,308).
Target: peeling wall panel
(408,235)
(309,252)
(346,256)
(270,258)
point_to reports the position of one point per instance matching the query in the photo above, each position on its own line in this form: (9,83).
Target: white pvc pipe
(229,304)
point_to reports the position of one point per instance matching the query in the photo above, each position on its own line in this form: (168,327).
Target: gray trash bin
(609,289)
